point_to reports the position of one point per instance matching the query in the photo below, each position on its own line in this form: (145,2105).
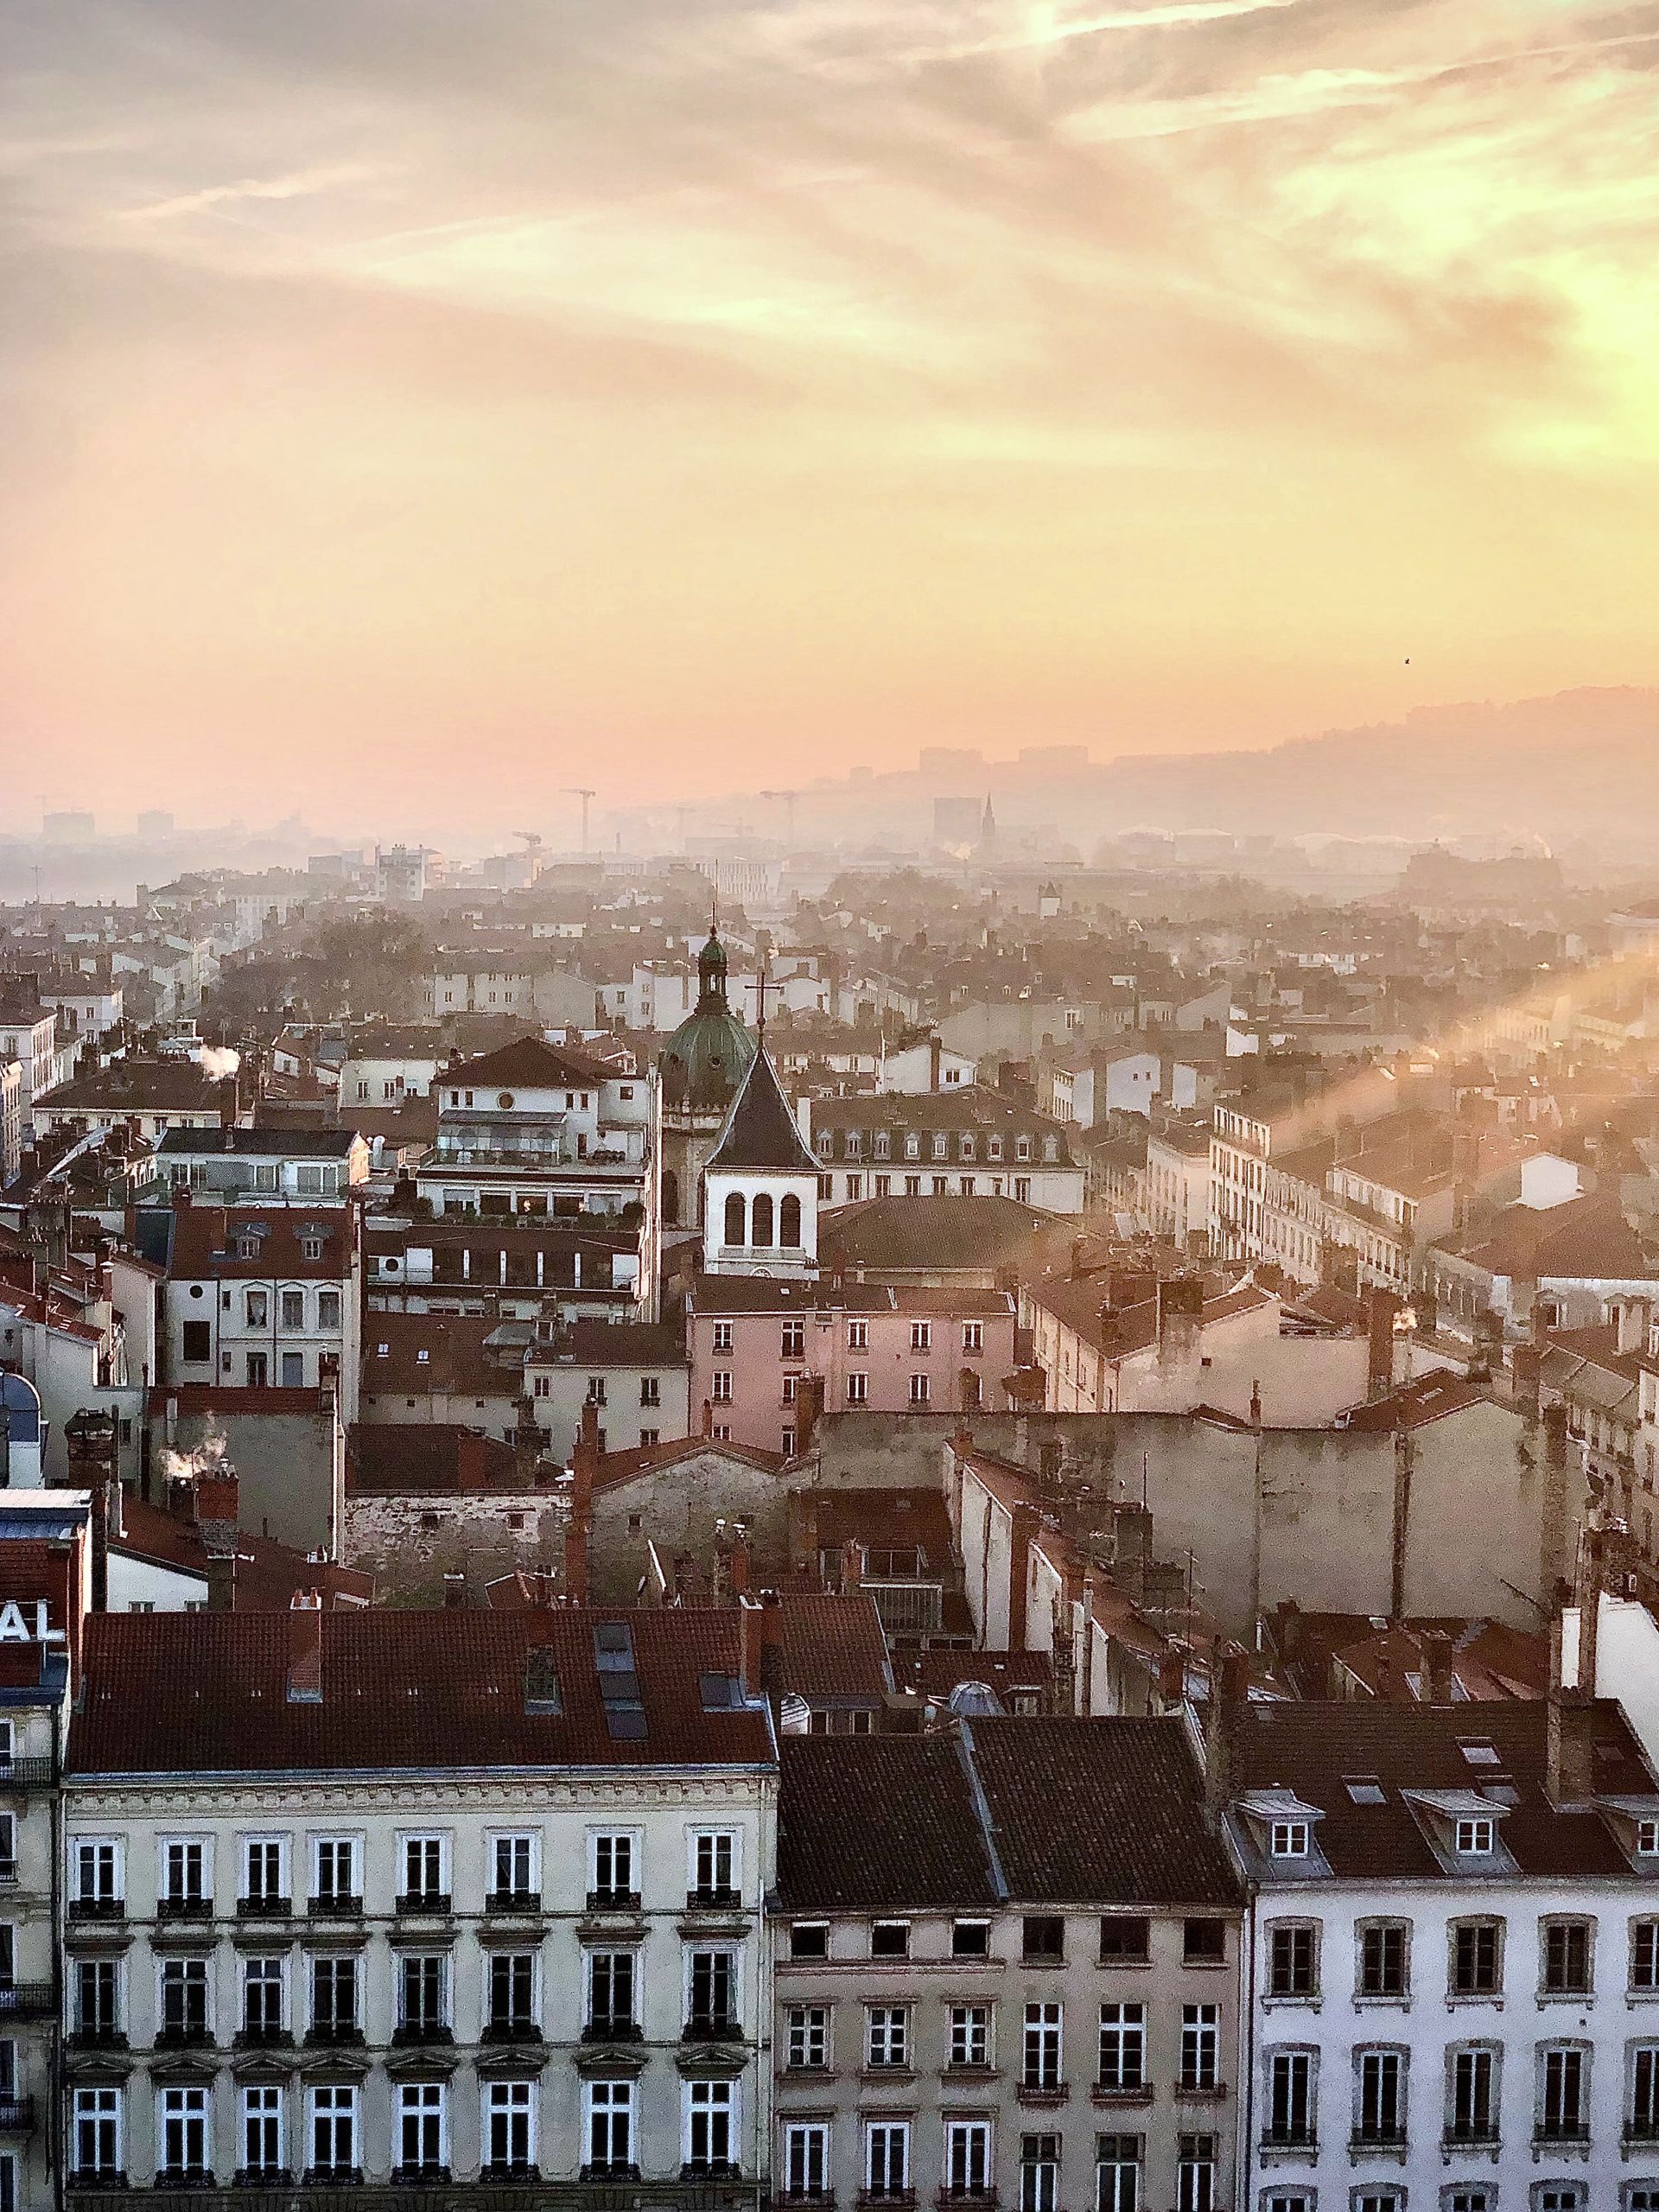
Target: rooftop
(260,1143)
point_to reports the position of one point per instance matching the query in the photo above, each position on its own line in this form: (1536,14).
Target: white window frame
(427,1841)
(116,1847)
(495,1840)
(808,2033)
(1475,1835)
(886,2030)
(263,2102)
(314,1843)
(262,1840)
(694,1838)
(635,1838)
(1289,1839)
(404,2107)
(971,2029)
(891,2132)
(336,2101)
(620,2097)
(102,2102)
(184,1841)
(708,2100)
(815,2141)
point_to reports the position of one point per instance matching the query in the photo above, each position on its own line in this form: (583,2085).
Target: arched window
(760,1220)
(789,1223)
(670,1197)
(734,1217)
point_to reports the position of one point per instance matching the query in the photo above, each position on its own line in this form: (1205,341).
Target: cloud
(299,184)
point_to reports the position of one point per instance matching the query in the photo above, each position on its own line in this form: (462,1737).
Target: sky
(413,407)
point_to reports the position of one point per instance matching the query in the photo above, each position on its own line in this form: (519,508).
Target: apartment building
(28,1036)
(1454,1947)
(539,1129)
(1175,1189)
(258,1166)
(1007,1970)
(415,1898)
(754,1341)
(971,1142)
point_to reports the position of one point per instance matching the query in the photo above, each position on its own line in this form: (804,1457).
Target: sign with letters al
(22,1620)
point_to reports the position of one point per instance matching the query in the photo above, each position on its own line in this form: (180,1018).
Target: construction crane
(533,842)
(584,792)
(789,799)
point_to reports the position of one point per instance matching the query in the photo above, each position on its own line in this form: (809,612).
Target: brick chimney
(305,1649)
(1027,1521)
(217,1496)
(584,1465)
(221,1578)
(1230,1688)
(454,1588)
(1381,1307)
(1438,1687)
(809,1411)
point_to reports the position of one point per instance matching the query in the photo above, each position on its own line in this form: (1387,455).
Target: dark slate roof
(832,1649)
(879,1824)
(208,1692)
(933,1234)
(761,1130)
(262,1143)
(1310,1749)
(530,1064)
(1108,1809)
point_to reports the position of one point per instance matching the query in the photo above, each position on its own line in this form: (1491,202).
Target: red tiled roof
(204,1242)
(267,1574)
(832,1649)
(455,1360)
(208,1692)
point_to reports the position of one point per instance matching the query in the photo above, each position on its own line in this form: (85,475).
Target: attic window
(722,1693)
(1478,1751)
(421,1356)
(1288,1839)
(1476,1836)
(1647,1838)
(1501,1791)
(383,1351)
(541,1680)
(1363,1789)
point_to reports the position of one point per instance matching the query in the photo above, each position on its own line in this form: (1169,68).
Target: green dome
(709,1055)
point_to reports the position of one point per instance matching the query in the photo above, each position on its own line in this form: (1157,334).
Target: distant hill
(1581,763)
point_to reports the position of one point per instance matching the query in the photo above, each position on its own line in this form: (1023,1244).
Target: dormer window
(1476,1837)
(1288,1839)
(1647,1839)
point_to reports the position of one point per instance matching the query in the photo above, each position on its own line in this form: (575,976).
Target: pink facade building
(879,1349)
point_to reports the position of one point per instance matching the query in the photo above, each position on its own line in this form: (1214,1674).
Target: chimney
(852,1565)
(750,1637)
(1229,1682)
(221,1578)
(934,1055)
(218,1497)
(737,1566)
(1569,1719)
(1439,1686)
(1630,1315)
(1382,1305)
(809,1411)
(305,1649)
(454,1588)
(584,1465)
(1027,1521)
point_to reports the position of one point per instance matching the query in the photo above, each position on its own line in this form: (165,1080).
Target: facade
(638,1377)
(11,1117)
(262,1167)
(507,1267)
(262,1298)
(974,1142)
(28,1036)
(148,1096)
(411,1898)
(761,1187)
(1455,1956)
(537,1129)
(1175,1191)
(1007,1970)
(754,1342)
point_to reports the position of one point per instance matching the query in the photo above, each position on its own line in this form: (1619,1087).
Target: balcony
(334,1908)
(176,1909)
(610,2169)
(1561,2135)
(612,2028)
(93,2037)
(265,1908)
(614,1901)
(432,1904)
(262,2038)
(513,1902)
(965,2195)
(187,2177)
(1041,2091)
(1381,2142)
(713,1898)
(712,2027)
(426,2175)
(334,2035)
(16,2115)
(1471,2135)
(182,2035)
(511,2028)
(411,2034)
(89,1911)
(18,1777)
(28,2000)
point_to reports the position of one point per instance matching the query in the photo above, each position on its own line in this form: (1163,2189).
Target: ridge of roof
(760,1131)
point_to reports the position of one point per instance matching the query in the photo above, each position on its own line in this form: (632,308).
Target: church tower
(761,1187)
(699,1075)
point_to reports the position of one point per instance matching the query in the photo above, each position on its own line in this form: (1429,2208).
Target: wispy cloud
(296,184)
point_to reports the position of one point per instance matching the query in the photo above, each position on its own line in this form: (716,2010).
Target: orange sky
(402,397)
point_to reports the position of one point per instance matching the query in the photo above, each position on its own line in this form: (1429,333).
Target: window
(1383,1958)
(1477,1958)
(650,1390)
(1472,2117)
(1022,1190)
(711,1991)
(1563,2103)
(890,1939)
(734,1217)
(421,2130)
(198,1345)
(1122,2048)
(886,2158)
(1125,1939)
(1293,1956)
(708,2114)
(1290,2099)
(1476,1836)
(1288,1839)
(1043,1939)
(1203,1942)
(332,2131)
(596,1390)
(1200,2045)
(261,2146)
(721,1340)
(1644,1954)
(919,1389)
(183,2010)
(793,1344)
(334,1999)
(967,2157)
(509,2129)
(921,1335)
(612,1874)
(1470,2196)
(293,1309)
(714,1866)
(328,1310)
(1040,2173)
(1117,2173)
(96,2133)
(858,1336)
(335,1873)
(1195,2174)
(609,2127)
(887,2038)
(809,1939)
(1641,2120)
(96,2017)
(264,1872)
(293,1370)
(807,2038)
(1041,2067)
(182,2135)
(424,1882)
(262,2000)
(184,1877)
(1381,2097)
(1567,1958)
(720,1386)
(256,1306)
(970,1939)
(858,1389)
(973,1340)
(514,1878)
(510,1995)
(423,2009)
(789,1222)
(98,1869)
(970,2035)
(806,2159)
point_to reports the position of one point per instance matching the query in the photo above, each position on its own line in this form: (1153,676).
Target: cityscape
(829,1107)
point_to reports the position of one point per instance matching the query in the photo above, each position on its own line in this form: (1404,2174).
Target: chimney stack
(221,1578)
(751,1636)
(1382,1305)
(454,1588)
(1229,1684)
(584,1465)
(809,1411)
(305,1649)
(1439,1686)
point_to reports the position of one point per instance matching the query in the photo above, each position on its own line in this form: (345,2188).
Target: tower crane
(789,799)
(584,792)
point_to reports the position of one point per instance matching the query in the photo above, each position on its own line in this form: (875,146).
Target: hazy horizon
(441,404)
